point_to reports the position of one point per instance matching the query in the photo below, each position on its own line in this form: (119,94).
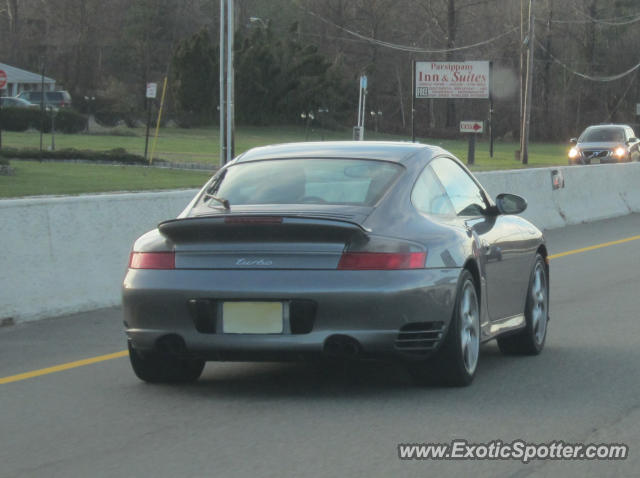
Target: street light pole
(226,81)
(223,90)
(526,110)
(230,85)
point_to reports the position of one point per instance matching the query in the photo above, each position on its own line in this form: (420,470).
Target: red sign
(471,126)
(3,79)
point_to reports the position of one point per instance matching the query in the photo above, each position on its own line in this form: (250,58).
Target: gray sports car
(338,250)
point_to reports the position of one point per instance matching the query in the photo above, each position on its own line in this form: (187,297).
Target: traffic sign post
(151,93)
(472,128)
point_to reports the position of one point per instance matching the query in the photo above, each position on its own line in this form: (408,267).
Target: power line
(611,21)
(601,79)
(624,95)
(407,48)
(615,21)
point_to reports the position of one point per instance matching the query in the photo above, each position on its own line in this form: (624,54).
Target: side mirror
(510,203)
(573,140)
(632,140)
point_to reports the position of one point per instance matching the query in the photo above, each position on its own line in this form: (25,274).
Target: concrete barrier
(590,193)
(68,254)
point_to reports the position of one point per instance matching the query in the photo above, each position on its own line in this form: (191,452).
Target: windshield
(304,181)
(597,135)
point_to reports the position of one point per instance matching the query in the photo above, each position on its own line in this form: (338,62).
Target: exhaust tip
(172,345)
(342,346)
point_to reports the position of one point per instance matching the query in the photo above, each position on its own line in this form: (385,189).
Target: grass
(201,145)
(35,178)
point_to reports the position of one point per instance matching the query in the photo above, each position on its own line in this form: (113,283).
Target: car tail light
(253,220)
(152,260)
(382,260)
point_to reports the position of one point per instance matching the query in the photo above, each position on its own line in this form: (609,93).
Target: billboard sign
(452,79)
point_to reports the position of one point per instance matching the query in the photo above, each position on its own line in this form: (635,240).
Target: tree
(195,76)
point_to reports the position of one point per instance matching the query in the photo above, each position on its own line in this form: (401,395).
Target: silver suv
(59,99)
(607,143)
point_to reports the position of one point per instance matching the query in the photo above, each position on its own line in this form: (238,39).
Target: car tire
(156,366)
(455,363)
(531,339)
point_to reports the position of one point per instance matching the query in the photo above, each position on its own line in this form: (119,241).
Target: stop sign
(3,79)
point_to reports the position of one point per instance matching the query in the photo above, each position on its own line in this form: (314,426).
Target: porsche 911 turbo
(340,250)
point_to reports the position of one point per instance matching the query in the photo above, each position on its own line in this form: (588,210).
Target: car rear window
(596,135)
(54,96)
(305,181)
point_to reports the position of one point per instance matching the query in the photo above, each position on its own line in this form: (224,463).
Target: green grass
(35,178)
(202,144)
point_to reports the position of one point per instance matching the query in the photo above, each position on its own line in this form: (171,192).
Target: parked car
(609,143)
(344,250)
(58,99)
(13,102)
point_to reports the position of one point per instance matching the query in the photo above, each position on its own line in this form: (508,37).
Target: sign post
(151,93)
(358,131)
(3,83)
(472,128)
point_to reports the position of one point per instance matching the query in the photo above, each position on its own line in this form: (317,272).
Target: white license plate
(595,161)
(252,317)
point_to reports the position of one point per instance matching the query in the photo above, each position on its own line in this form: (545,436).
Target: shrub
(68,121)
(21,119)
(117,155)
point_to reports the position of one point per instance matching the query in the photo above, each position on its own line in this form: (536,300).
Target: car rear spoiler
(251,228)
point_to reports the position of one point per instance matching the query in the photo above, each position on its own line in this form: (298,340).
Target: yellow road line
(123,353)
(60,368)
(597,246)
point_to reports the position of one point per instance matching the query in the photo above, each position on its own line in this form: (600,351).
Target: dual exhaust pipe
(342,346)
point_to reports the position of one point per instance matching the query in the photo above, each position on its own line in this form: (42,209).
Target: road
(294,420)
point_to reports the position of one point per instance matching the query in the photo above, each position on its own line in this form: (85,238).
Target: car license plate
(252,317)
(595,161)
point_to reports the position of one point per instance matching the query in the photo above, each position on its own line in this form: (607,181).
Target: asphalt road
(281,420)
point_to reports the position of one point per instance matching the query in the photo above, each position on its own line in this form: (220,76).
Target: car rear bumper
(379,313)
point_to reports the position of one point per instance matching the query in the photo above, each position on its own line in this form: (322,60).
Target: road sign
(3,79)
(363,82)
(638,109)
(152,90)
(471,126)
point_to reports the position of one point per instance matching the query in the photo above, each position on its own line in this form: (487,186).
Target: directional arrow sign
(471,126)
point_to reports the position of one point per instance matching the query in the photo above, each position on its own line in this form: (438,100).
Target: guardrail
(69,254)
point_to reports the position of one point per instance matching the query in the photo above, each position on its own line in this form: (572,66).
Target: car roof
(395,151)
(610,125)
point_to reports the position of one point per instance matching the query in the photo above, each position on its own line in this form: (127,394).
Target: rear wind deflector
(260,228)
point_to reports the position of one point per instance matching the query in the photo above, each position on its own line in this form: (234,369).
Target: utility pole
(227,113)
(526,110)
